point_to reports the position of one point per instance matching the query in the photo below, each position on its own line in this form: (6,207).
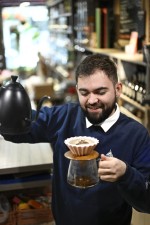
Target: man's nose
(92,98)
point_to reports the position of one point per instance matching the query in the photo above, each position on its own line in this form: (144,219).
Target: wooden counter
(24,159)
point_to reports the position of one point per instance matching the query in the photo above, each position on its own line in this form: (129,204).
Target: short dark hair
(97,62)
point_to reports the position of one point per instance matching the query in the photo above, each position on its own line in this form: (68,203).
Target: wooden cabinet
(140,218)
(25,175)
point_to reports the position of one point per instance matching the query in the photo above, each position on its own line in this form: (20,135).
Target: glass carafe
(82,171)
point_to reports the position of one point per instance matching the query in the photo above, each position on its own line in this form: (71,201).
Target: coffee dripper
(83,170)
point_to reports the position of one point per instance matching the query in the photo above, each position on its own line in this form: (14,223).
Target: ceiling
(9,3)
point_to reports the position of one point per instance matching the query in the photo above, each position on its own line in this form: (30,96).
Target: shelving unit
(20,184)
(139,113)
(61,36)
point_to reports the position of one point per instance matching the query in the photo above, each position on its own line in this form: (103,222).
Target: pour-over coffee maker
(82,171)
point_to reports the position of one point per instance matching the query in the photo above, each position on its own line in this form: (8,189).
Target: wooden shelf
(24,185)
(132,102)
(67,14)
(126,112)
(52,3)
(143,111)
(118,54)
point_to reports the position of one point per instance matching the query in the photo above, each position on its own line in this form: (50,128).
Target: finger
(105,171)
(102,172)
(105,164)
(107,175)
(104,157)
(108,178)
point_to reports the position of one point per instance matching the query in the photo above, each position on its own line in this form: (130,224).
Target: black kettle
(15,108)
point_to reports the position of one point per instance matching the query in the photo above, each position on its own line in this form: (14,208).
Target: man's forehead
(94,79)
(97,73)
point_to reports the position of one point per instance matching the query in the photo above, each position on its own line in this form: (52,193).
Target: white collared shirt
(109,122)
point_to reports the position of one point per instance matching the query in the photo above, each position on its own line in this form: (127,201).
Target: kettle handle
(40,104)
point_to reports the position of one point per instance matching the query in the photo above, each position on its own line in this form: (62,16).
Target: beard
(94,118)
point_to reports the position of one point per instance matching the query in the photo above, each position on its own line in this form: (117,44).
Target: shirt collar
(109,122)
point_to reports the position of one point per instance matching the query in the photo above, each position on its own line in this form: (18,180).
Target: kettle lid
(13,84)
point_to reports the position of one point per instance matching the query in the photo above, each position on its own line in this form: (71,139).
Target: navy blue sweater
(106,203)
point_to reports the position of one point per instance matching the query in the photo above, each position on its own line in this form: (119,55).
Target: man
(124,177)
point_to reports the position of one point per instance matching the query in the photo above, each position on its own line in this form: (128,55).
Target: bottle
(134,82)
(141,91)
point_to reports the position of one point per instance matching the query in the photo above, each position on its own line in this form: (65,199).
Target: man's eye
(84,93)
(101,92)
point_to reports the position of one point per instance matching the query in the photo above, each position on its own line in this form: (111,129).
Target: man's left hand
(110,168)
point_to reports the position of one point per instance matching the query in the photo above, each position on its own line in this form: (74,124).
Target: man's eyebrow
(83,89)
(100,88)
(97,89)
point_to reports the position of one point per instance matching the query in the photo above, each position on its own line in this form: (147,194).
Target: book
(104,27)
(98,27)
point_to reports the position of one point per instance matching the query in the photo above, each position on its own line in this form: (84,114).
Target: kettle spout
(44,98)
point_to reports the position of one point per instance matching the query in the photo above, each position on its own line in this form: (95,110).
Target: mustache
(95,106)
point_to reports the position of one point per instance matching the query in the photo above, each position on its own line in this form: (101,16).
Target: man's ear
(118,88)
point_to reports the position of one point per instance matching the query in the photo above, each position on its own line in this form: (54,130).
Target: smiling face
(97,96)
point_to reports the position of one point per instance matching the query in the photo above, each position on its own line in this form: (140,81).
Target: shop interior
(42,42)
